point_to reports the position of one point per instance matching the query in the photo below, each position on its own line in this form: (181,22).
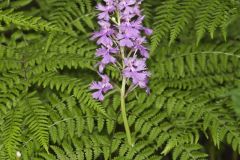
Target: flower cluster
(102,87)
(120,35)
(136,70)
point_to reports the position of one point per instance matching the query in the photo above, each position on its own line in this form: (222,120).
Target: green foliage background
(47,63)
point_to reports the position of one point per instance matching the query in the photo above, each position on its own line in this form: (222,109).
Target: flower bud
(114,20)
(18,154)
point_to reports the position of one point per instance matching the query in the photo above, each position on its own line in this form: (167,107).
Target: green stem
(124,115)
(123,106)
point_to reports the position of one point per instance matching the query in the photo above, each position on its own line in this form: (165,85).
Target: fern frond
(162,22)
(70,85)
(199,66)
(186,152)
(37,120)
(64,51)
(147,12)
(221,129)
(72,15)
(11,136)
(26,22)
(173,16)
(184,14)
(9,60)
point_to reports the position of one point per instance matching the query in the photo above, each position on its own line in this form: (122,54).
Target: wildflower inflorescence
(122,42)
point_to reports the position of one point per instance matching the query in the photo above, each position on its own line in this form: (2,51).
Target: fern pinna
(47,63)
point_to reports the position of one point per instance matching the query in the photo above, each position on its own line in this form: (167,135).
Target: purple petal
(148,90)
(144,52)
(95,85)
(101,7)
(131,2)
(105,78)
(101,51)
(107,88)
(106,41)
(148,31)
(104,24)
(107,58)
(101,67)
(104,16)
(126,42)
(98,95)
(95,35)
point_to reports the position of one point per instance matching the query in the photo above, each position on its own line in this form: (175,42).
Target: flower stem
(123,105)
(123,111)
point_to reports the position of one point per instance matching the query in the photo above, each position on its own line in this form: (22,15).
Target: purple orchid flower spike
(121,40)
(121,28)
